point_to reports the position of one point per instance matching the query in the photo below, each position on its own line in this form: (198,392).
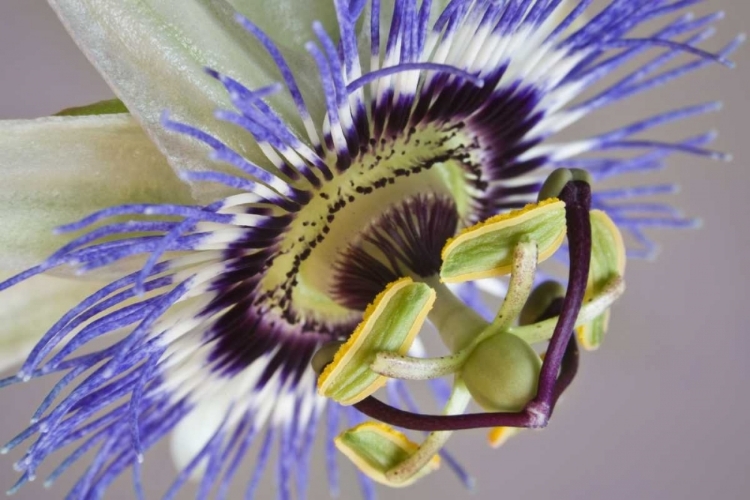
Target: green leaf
(390,324)
(108,107)
(486,249)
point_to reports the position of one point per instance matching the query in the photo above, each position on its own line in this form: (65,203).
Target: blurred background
(661,411)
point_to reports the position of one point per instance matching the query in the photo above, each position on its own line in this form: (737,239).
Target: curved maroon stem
(378,410)
(569,365)
(561,360)
(577,198)
(374,408)
(568,370)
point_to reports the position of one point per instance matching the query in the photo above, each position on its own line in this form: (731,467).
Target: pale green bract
(58,169)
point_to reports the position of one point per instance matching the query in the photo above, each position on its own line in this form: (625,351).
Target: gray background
(661,411)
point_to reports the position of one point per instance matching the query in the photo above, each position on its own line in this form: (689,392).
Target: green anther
(390,324)
(607,263)
(487,249)
(539,300)
(555,184)
(324,356)
(376,448)
(502,373)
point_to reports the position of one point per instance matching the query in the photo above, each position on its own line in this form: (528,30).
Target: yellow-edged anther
(498,436)
(376,448)
(390,324)
(486,249)
(607,262)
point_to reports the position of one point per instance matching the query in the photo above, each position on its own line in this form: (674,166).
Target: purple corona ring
(394,170)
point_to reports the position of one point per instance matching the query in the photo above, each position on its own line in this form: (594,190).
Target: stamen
(399,396)
(561,360)
(390,323)
(435,441)
(521,282)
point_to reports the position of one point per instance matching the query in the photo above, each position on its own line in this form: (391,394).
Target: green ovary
(502,373)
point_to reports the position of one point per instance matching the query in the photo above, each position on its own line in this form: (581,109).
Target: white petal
(194,431)
(153,54)
(56,170)
(29,309)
